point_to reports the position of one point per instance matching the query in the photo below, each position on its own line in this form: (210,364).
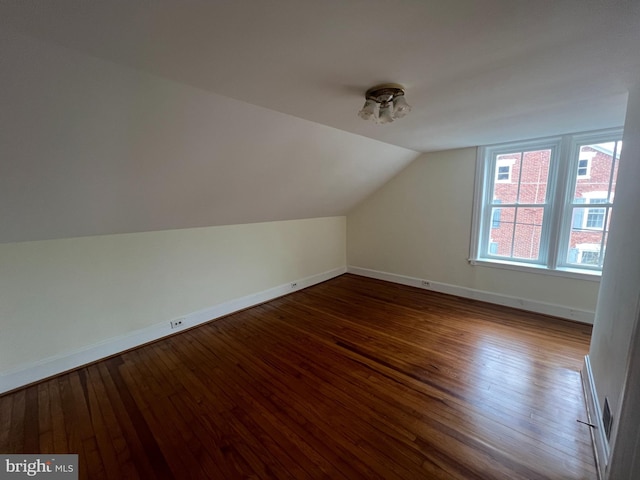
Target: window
(595,216)
(584,163)
(535,202)
(583,167)
(503,170)
(589,254)
(503,174)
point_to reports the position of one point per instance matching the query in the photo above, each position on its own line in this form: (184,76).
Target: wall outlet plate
(178,322)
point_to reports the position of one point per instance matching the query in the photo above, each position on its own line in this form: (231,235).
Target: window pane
(502,233)
(528,229)
(505,187)
(601,162)
(585,248)
(585,241)
(534,177)
(518,233)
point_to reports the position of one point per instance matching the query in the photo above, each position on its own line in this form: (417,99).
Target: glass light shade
(386,113)
(368,110)
(400,107)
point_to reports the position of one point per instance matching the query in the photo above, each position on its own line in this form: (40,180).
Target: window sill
(590,275)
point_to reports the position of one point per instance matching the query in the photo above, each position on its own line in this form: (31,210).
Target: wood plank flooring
(353,378)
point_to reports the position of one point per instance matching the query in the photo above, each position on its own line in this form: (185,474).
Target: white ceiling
(477,72)
(139,115)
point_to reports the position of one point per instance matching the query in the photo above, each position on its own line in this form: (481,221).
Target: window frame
(553,144)
(556,226)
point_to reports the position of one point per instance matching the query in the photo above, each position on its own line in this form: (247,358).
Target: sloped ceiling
(131,115)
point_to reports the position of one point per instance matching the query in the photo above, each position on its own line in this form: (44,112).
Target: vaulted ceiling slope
(135,115)
(88,147)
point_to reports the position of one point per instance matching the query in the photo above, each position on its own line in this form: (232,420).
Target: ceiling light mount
(385,103)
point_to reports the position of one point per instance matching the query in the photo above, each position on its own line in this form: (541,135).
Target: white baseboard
(48,367)
(598,437)
(583,316)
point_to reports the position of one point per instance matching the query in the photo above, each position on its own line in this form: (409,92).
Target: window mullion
(613,169)
(560,213)
(515,212)
(513,232)
(519,179)
(604,233)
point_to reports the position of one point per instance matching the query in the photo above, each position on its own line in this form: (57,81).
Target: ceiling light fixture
(384,103)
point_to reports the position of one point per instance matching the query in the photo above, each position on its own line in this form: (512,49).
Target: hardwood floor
(352,378)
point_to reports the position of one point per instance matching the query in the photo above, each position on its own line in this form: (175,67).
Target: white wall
(419,225)
(90,147)
(618,313)
(61,296)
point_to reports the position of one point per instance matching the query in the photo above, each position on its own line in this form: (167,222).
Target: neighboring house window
(583,167)
(595,216)
(503,173)
(590,257)
(584,162)
(526,220)
(586,254)
(590,218)
(503,170)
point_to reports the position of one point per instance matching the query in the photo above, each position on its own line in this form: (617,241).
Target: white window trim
(481,197)
(568,146)
(567,272)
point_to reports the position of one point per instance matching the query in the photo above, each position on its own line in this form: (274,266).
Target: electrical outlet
(178,322)
(426,283)
(294,284)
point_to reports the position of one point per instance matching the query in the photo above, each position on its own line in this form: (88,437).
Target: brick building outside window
(547,202)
